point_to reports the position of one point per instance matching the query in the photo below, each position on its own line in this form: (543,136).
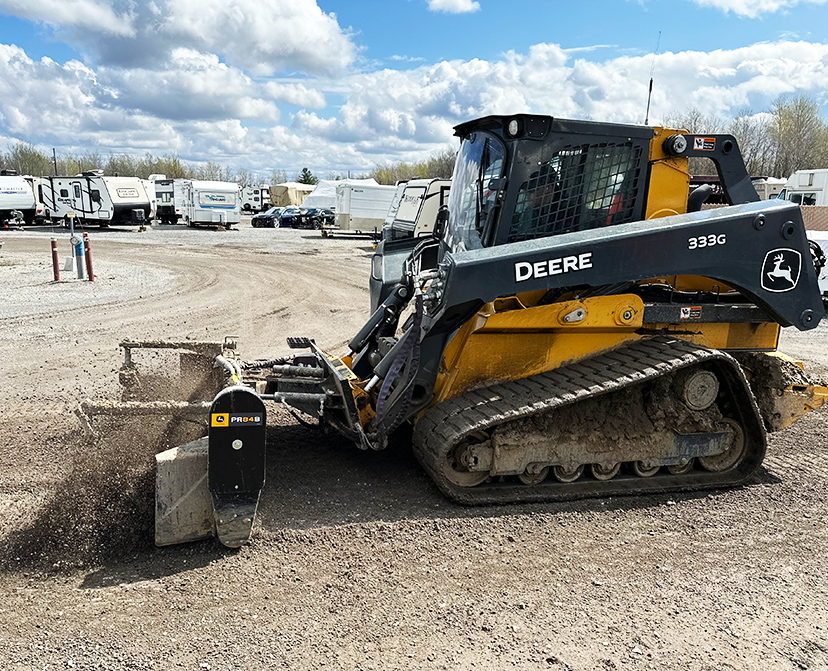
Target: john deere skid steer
(577,326)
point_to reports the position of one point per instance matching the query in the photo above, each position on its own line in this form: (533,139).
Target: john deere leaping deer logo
(780,272)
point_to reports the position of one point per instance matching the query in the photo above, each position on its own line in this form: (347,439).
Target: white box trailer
(17,193)
(416,212)
(323,194)
(210,203)
(361,210)
(807,187)
(97,199)
(255,198)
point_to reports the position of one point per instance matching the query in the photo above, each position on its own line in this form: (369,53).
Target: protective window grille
(581,187)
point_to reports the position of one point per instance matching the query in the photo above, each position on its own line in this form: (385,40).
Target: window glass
(479,161)
(579,188)
(77,190)
(64,193)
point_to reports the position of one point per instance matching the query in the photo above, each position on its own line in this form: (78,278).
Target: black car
(294,217)
(270,219)
(318,217)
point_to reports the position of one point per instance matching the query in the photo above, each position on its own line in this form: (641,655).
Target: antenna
(652,69)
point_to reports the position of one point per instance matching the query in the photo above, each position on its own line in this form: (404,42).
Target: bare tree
(244,178)
(798,135)
(751,132)
(27,160)
(278,177)
(440,164)
(213,171)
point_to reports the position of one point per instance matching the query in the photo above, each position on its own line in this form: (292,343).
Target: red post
(55,263)
(88,254)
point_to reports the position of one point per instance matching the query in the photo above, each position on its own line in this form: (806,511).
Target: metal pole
(78,245)
(55,263)
(89,274)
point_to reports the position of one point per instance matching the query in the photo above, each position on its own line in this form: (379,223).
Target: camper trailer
(164,199)
(16,193)
(96,199)
(416,212)
(210,203)
(361,209)
(255,198)
(807,187)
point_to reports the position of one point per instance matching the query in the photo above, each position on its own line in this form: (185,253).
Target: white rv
(96,199)
(210,203)
(807,187)
(361,209)
(16,193)
(768,187)
(416,212)
(255,198)
(164,199)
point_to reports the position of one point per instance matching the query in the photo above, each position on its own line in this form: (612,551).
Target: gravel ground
(358,561)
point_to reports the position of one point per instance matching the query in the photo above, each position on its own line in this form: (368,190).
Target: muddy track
(358,560)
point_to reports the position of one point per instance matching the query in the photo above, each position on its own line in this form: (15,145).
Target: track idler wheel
(731,456)
(456,466)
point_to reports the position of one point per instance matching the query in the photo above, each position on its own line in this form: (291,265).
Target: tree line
(26,159)
(792,136)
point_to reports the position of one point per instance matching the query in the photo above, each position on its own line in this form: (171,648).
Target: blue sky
(339,86)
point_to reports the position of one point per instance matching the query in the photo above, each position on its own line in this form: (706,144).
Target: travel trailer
(97,199)
(361,209)
(16,193)
(807,187)
(164,199)
(255,198)
(416,212)
(209,203)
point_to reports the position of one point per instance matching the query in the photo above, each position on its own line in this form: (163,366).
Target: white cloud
(99,17)
(260,36)
(295,94)
(755,8)
(203,108)
(453,6)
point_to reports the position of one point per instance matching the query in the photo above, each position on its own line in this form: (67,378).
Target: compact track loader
(577,326)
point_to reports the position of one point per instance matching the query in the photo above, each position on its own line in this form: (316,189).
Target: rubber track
(449,422)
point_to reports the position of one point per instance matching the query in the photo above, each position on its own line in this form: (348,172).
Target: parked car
(270,219)
(294,217)
(318,216)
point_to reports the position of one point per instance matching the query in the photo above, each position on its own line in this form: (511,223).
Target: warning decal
(704,143)
(692,312)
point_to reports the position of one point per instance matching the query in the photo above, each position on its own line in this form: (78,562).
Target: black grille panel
(583,186)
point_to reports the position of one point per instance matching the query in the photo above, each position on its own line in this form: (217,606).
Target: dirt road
(358,561)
